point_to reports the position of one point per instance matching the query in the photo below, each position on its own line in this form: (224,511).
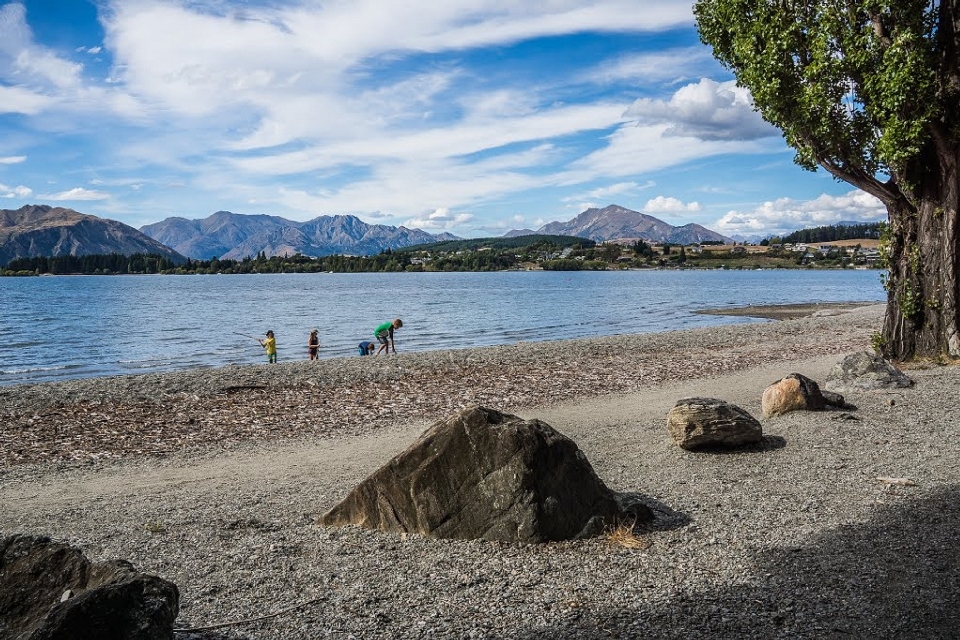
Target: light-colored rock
(796,392)
(704,422)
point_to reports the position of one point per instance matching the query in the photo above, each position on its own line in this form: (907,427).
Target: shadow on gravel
(768,443)
(664,518)
(895,576)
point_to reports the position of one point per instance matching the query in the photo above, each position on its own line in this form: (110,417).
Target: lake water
(61,327)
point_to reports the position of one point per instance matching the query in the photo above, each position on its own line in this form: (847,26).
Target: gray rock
(482,474)
(703,422)
(50,591)
(865,371)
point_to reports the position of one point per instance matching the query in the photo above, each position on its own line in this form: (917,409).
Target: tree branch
(887,192)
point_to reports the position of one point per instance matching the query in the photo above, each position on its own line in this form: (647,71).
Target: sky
(472,117)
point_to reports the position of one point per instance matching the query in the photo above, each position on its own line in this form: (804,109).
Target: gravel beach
(841,524)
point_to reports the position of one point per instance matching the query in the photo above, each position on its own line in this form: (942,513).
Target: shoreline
(786,311)
(798,539)
(789,311)
(77,421)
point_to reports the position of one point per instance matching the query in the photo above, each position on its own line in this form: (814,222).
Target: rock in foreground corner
(482,474)
(707,422)
(49,590)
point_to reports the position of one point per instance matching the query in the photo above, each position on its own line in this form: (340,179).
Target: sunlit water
(62,327)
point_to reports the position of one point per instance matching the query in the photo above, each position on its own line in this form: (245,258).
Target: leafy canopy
(853,84)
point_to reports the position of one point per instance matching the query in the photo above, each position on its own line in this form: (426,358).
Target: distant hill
(236,236)
(503,242)
(519,232)
(43,231)
(618,223)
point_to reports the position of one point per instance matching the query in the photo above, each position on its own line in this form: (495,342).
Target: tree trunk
(922,286)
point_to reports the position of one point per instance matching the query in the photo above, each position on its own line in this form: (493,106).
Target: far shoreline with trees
(521,253)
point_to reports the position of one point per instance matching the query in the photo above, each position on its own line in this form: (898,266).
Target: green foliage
(101,263)
(832,233)
(878,342)
(536,241)
(642,250)
(852,84)
(574,265)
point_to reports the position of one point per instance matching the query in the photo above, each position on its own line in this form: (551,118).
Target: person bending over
(384,335)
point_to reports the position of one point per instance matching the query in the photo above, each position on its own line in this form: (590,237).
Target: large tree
(870,91)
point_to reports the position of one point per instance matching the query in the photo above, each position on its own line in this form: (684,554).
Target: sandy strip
(799,538)
(787,311)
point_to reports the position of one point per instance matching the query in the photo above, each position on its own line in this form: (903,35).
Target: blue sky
(468,116)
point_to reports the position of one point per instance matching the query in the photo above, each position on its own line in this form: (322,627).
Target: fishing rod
(247,335)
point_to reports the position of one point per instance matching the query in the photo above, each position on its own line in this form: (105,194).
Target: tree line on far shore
(830,233)
(583,256)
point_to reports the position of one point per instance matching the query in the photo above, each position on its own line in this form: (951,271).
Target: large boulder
(708,422)
(865,371)
(482,474)
(50,591)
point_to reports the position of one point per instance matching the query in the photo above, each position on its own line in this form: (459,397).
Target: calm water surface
(62,327)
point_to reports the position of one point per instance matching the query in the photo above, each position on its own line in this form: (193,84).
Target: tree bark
(922,311)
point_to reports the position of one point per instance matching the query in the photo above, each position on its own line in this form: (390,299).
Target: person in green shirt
(270,344)
(384,335)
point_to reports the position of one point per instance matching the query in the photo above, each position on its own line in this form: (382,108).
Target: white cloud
(786,214)
(638,149)
(439,219)
(47,66)
(77,193)
(644,68)
(708,110)
(14,32)
(15,192)
(21,58)
(662,204)
(618,189)
(20,100)
(602,196)
(12,159)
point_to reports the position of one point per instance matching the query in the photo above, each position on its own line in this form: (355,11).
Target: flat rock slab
(865,371)
(482,474)
(707,422)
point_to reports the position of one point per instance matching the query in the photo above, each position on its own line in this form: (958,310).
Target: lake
(61,327)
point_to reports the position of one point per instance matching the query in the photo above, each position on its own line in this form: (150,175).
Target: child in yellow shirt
(270,344)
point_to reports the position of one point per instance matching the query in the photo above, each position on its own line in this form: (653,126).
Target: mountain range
(235,236)
(616,223)
(40,230)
